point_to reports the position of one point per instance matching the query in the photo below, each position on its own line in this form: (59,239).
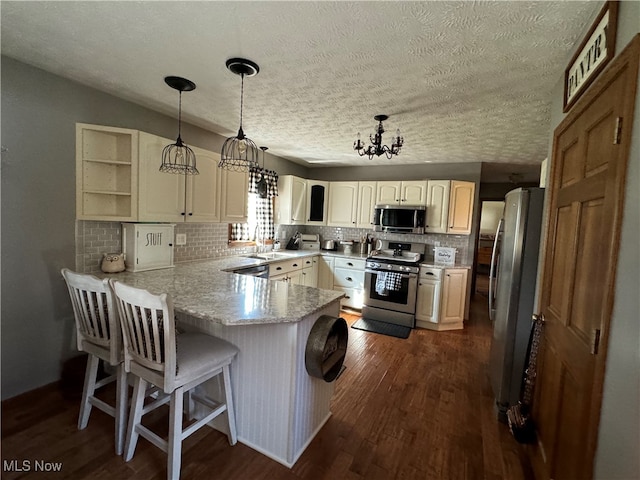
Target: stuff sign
(594,53)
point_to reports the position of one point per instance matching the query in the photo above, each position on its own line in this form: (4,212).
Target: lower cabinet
(348,276)
(310,271)
(325,272)
(441,304)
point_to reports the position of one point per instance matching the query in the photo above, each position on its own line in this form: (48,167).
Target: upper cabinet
(118,179)
(317,198)
(343,203)
(106,173)
(366,204)
(169,197)
(450,206)
(408,192)
(291,201)
(461,199)
(234,188)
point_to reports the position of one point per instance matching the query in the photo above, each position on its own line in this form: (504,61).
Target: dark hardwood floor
(419,408)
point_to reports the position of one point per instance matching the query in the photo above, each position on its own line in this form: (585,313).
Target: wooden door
(586,193)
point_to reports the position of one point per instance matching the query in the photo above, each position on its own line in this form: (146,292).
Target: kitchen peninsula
(279,407)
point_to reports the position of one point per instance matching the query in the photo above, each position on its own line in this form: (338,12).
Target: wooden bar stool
(154,354)
(98,334)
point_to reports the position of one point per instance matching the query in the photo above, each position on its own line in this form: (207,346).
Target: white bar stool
(176,364)
(98,334)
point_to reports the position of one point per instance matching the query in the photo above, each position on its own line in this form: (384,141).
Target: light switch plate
(181,238)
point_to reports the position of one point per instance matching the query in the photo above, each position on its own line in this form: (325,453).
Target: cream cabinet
(461,200)
(348,277)
(407,192)
(106,173)
(325,272)
(343,203)
(366,204)
(310,271)
(291,200)
(317,199)
(234,188)
(450,206)
(454,296)
(437,206)
(169,197)
(428,297)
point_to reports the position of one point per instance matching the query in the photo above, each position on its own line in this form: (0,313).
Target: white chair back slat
(94,311)
(148,328)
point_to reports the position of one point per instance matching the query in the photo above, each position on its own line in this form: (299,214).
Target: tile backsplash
(209,240)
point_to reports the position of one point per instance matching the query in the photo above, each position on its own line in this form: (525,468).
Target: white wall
(490,217)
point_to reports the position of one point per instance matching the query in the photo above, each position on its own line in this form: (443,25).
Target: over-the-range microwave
(399,218)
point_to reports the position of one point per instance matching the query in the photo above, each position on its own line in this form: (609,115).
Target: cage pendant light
(178,157)
(239,153)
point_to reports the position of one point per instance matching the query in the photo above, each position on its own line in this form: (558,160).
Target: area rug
(383,328)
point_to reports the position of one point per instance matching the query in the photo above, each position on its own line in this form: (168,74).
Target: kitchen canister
(112,262)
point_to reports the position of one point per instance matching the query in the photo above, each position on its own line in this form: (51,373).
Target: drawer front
(285,266)
(345,277)
(357,264)
(430,273)
(354,297)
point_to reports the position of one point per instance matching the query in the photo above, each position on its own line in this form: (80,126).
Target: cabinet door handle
(171,244)
(190,213)
(278,268)
(350,264)
(349,279)
(183,214)
(295,264)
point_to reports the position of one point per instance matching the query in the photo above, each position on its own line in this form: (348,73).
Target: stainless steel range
(391,282)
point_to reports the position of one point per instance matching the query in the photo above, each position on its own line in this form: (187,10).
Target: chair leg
(88,390)
(135,415)
(231,416)
(174,447)
(121,407)
(188,405)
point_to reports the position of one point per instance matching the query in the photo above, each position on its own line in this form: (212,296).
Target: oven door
(402,299)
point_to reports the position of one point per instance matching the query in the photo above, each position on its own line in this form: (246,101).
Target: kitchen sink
(270,255)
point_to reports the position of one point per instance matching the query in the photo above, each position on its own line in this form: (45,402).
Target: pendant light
(177,157)
(261,185)
(239,153)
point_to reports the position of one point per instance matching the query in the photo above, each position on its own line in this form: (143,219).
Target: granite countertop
(204,290)
(431,264)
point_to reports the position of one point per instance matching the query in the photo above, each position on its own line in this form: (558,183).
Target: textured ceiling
(464,81)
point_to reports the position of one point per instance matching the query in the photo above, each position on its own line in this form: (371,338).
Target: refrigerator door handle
(492,270)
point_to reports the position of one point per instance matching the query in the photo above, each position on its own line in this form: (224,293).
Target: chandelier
(376,147)
(177,157)
(239,153)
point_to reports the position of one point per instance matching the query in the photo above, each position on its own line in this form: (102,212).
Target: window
(259,224)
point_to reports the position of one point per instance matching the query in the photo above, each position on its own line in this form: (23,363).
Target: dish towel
(393,282)
(381,284)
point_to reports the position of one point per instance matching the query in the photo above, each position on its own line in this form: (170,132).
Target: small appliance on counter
(294,242)
(147,246)
(310,241)
(329,245)
(348,246)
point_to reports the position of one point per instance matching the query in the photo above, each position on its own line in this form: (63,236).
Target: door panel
(586,191)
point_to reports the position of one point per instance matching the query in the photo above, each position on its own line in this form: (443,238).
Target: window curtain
(260,214)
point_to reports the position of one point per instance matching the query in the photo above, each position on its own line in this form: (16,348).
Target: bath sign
(445,255)
(594,53)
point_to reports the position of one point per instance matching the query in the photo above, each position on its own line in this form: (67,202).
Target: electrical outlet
(181,239)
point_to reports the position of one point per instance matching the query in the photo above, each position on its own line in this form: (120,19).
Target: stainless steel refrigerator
(514,267)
